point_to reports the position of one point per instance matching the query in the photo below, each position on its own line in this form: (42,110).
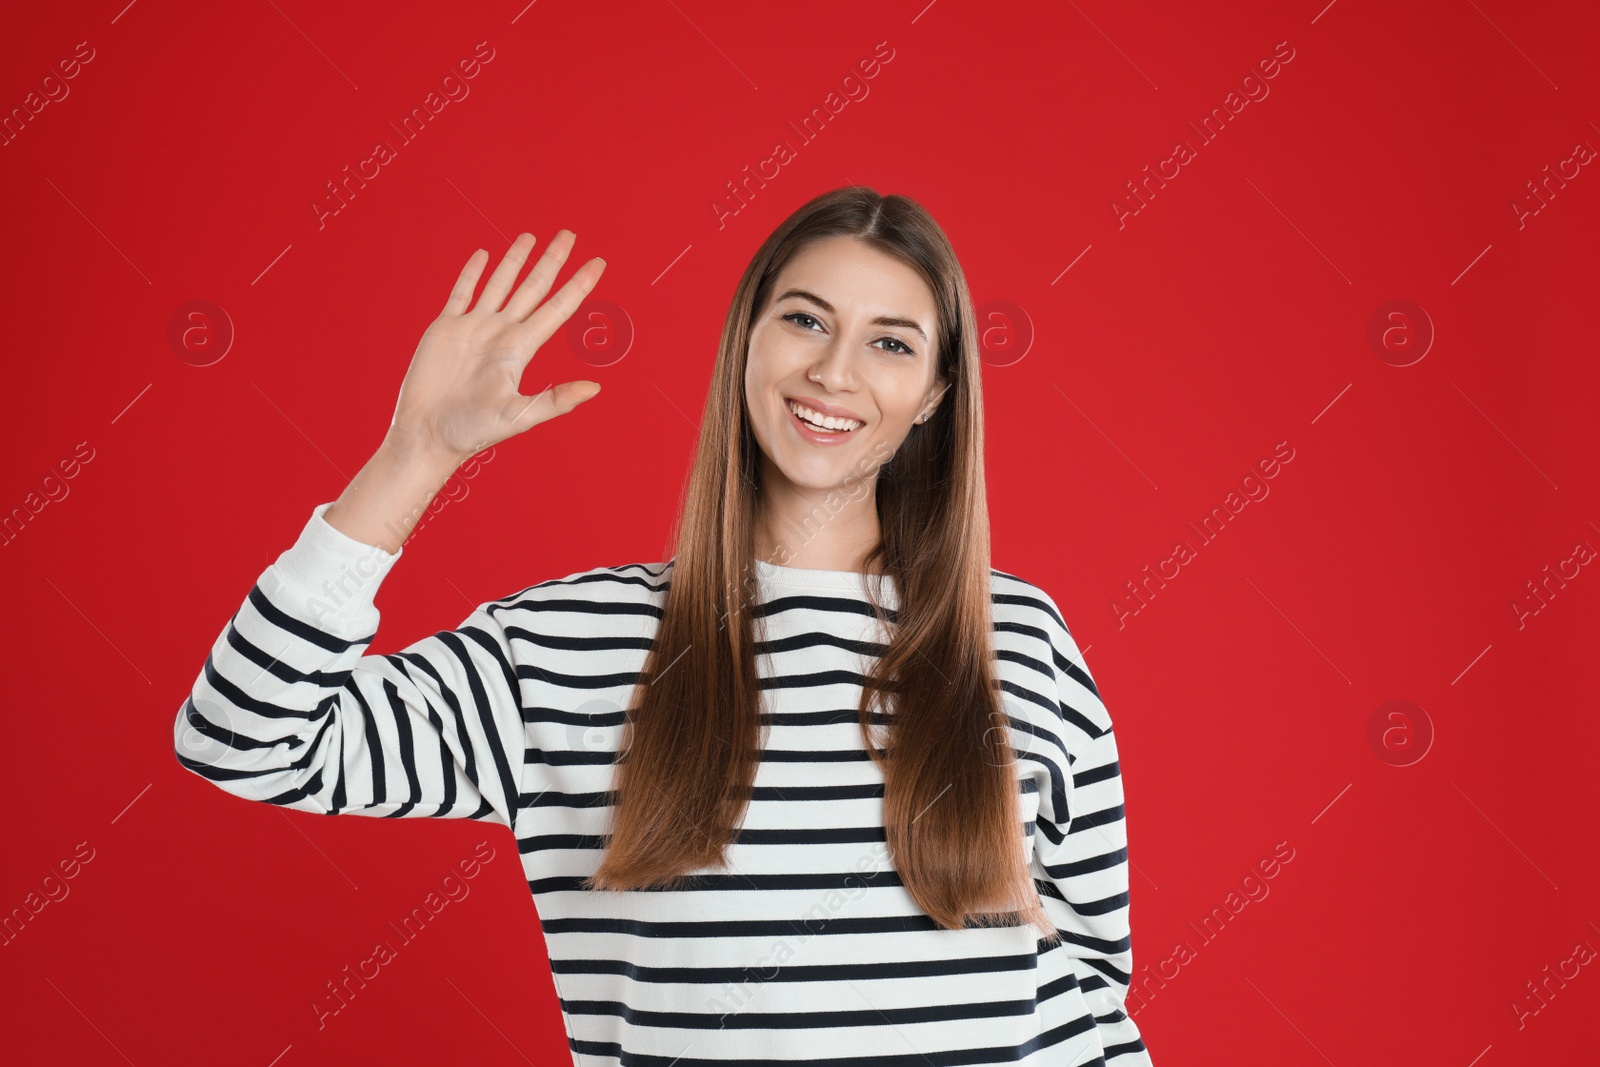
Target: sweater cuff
(329,579)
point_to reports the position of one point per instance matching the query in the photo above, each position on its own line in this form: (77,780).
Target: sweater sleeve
(1084,853)
(290,711)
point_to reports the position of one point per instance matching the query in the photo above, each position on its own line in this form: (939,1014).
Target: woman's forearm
(384,501)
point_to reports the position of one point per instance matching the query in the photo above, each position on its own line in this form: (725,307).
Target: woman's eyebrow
(881,320)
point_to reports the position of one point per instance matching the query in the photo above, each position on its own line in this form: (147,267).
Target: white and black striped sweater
(806,947)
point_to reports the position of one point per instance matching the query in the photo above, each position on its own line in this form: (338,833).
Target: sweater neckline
(814,578)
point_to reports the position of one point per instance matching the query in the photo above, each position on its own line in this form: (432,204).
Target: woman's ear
(931,402)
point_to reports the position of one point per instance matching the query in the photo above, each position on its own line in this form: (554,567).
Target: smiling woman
(867,800)
(841,361)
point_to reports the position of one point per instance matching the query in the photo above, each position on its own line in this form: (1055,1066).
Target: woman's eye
(796,316)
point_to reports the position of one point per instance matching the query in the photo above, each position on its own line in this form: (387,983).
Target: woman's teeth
(825,423)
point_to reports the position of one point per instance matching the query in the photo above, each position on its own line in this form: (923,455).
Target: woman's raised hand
(462,392)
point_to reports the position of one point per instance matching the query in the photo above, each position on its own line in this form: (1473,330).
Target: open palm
(462,392)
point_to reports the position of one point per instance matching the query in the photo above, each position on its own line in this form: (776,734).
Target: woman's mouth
(818,428)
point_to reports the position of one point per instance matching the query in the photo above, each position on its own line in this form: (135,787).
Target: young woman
(822,788)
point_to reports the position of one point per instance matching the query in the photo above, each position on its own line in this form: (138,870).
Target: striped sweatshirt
(805,947)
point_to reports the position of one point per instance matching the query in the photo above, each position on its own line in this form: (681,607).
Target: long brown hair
(692,738)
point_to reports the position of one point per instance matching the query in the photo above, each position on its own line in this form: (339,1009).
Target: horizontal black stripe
(794,972)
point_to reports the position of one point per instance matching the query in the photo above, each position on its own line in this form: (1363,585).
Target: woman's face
(849,331)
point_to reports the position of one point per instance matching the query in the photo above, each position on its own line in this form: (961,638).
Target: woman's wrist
(389,495)
(408,451)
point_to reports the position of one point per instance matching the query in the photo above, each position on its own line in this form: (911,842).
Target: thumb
(569,395)
(552,402)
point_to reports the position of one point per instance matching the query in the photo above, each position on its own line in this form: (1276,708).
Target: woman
(824,787)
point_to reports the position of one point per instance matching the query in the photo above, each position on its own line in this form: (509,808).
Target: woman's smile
(820,429)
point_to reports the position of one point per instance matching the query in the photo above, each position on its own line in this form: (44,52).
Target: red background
(1228,315)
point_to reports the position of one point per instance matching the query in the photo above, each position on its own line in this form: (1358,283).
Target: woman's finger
(559,308)
(541,277)
(461,295)
(530,411)
(494,293)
